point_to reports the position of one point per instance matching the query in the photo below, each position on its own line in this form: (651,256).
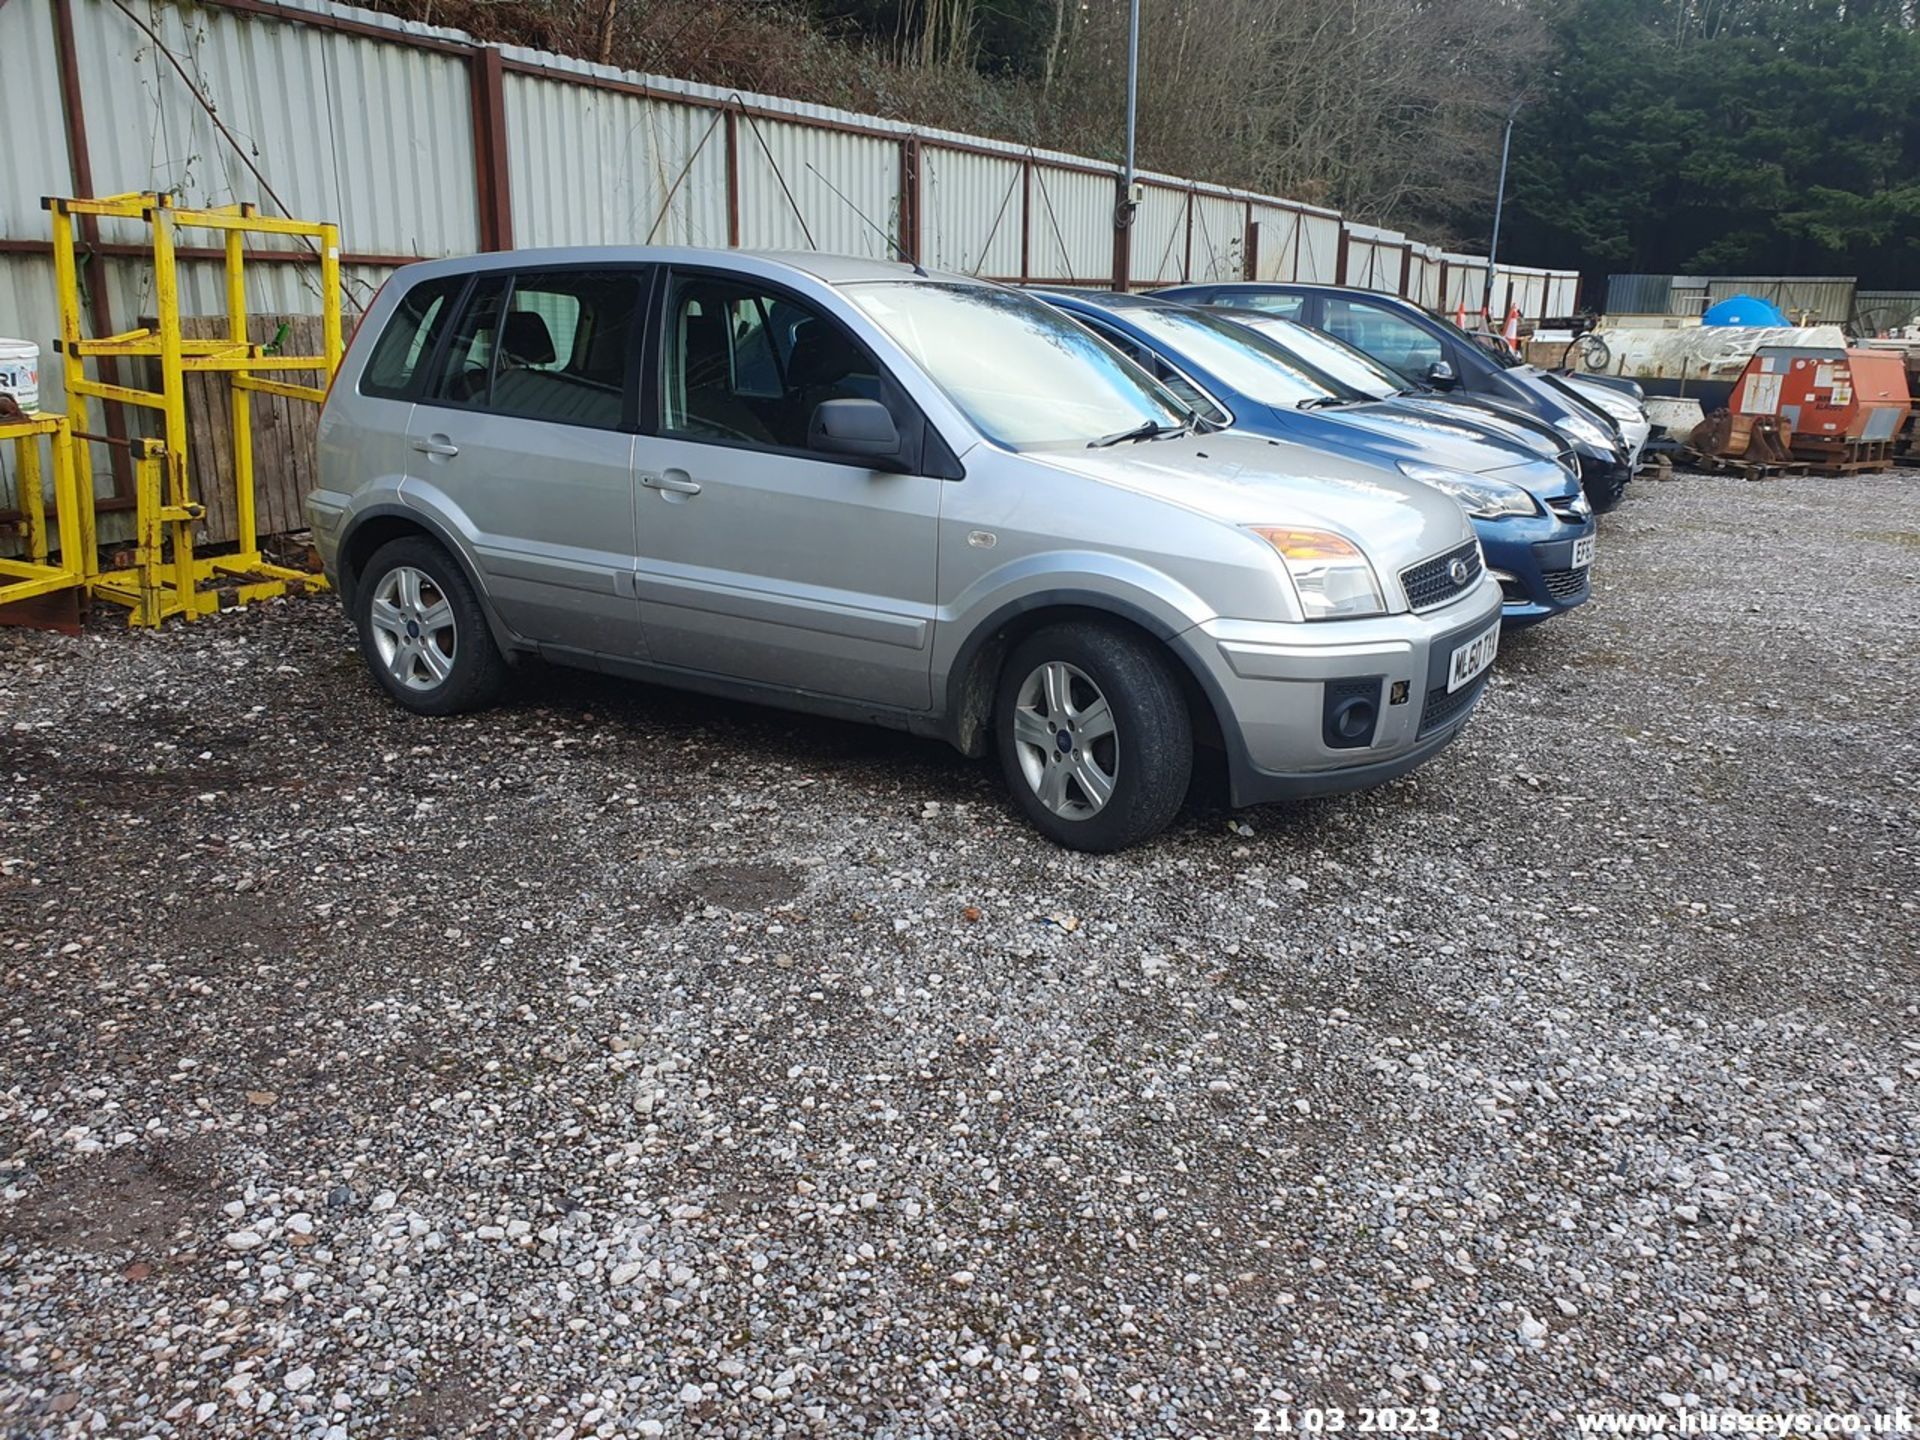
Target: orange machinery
(1841,395)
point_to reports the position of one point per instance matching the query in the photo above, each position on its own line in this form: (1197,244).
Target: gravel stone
(623,1063)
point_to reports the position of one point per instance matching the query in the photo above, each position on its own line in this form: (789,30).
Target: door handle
(437,445)
(675,481)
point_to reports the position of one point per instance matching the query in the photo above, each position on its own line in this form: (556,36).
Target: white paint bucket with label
(20,373)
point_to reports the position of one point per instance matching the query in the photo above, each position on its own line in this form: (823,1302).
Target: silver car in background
(912,499)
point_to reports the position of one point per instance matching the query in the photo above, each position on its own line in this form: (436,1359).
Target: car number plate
(1470,659)
(1583,552)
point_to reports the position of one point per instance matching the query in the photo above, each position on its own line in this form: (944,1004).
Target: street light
(1499,202)
(1500,195)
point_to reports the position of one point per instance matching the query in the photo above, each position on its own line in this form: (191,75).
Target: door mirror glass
(1440,375)
(857,428)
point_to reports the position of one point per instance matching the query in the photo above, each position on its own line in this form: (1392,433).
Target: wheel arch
(974,676)
(374,527)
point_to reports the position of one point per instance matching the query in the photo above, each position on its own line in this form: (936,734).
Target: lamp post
(1133,84)
(1499,203)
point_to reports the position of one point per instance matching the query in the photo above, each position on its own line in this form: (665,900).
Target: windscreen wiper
(1323,402)
(1149,430)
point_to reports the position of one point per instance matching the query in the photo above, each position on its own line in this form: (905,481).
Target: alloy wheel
(1066,741)
(413,628)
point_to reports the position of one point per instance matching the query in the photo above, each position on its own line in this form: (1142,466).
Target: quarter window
(750,366)
(410,337)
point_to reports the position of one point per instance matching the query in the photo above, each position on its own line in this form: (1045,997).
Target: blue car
(1432,351)
(1535,526)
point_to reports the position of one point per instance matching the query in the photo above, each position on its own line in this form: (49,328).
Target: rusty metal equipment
(166,577)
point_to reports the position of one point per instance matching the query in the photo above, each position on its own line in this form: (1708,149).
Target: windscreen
(1355,369)
(1242,359)
(1025,374)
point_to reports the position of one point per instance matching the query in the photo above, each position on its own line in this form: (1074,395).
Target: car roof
(1106,299)
(1317,287)
(821,265)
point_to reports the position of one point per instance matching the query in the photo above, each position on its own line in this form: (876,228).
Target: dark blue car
(1535,525)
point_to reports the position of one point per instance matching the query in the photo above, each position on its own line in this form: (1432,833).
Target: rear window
(410,337)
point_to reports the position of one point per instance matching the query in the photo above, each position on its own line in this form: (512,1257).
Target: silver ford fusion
(913,499)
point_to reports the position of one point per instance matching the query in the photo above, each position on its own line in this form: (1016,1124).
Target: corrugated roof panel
(1807,299)
(1159,237)
(803,188)
(1070,227)
(1219,238)
(376,137)
(971,212)
(30,119)
(1278,236)
(596,167)
(1319,249)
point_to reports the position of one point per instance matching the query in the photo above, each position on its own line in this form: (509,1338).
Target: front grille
(1443,708)
(1429,584)
(1567,584)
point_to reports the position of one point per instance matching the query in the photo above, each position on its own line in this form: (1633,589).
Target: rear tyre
(422,631)
(1094,735)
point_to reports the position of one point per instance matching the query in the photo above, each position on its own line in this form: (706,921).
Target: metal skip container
(20,373)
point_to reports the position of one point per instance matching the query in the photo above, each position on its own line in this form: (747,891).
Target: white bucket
(20,373)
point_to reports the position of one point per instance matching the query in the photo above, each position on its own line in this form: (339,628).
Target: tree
(1700,136)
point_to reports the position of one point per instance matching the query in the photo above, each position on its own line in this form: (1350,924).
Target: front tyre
(422,631)
(1094,735)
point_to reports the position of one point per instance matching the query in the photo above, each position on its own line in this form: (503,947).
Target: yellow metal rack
(167,578)
(34,574)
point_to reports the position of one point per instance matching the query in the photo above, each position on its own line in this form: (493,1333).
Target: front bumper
(1604,480)
(1533,561)
(1270,684)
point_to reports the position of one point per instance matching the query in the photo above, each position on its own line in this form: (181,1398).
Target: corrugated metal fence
(424,142)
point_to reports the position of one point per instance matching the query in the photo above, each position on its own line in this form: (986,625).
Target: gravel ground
(626,1064)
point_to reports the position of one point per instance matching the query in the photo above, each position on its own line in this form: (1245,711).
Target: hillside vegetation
(1654,134)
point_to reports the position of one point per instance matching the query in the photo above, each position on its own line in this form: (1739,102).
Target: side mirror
(1440,375)
(857,428)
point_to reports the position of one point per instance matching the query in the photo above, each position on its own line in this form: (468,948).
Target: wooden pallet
(1747,469)
(1832,458)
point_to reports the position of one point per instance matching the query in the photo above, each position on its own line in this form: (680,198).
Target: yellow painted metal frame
(156,587)
(34,574)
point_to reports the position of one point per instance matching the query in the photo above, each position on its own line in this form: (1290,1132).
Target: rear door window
(1393,340)
(546,345)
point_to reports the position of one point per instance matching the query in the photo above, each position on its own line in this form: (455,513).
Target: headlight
(1583,430)
(1482,495)
(1332,577)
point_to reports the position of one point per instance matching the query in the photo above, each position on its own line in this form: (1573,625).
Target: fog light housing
(1350,712)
